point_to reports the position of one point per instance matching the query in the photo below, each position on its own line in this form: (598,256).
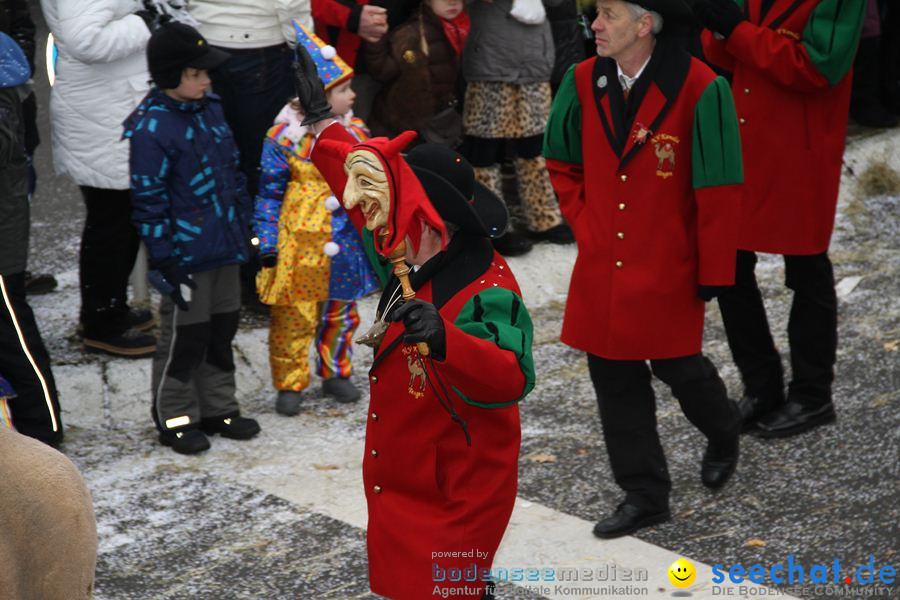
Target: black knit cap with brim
(174,47)
(449,181)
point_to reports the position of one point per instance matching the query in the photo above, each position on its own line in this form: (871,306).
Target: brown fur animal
(48,535)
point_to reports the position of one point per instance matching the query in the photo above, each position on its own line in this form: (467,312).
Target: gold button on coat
(746,90)
(742,120)
(624,178)
(619,264)
(376,489)
(621,206)
(620,235)
(374,452)
(374,416)
(374,378)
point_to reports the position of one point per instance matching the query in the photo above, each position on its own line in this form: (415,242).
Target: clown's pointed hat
(332,69)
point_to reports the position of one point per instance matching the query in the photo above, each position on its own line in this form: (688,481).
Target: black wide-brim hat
(449,181)
(672,11)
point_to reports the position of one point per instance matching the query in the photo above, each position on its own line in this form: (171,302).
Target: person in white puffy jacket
(256,81)
(101,76)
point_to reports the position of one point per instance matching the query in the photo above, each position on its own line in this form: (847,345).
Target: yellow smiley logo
(682,573)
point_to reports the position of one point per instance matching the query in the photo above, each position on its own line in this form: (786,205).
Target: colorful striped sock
(335,338)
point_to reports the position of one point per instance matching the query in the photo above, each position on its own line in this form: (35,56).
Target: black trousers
(109,245)
(628,415)
(254,84)
(812,330)
(25,363)
(485,152)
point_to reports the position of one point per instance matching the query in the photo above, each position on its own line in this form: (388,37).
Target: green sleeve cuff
(832,35)
(499,315)
(716,158)
(562,136)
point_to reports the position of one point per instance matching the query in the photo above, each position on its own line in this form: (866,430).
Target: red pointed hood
(409,205)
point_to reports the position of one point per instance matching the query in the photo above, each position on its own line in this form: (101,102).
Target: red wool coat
(791,86)
(428,491)
(334,20)
(650,223)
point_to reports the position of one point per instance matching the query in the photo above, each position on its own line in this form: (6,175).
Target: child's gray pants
(193,369)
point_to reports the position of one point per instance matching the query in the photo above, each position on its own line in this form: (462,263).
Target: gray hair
(639,11)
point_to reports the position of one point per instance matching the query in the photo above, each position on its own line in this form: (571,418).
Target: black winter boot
(232,426)
(187,440)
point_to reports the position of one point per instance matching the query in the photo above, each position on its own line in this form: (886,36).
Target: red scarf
(457,31)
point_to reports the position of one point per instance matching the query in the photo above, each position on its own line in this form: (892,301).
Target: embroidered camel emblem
(665,152)
(415,370)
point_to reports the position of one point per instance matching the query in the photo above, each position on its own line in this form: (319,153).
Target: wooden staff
(401,270)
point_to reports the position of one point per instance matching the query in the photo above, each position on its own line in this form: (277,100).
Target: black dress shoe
(232,426)
(719,462)
(512,243)
(754,407)
(627,519)
(793,418)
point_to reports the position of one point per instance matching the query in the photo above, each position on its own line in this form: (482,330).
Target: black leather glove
(269,259)
(149,18)
(310,90)
(423,324)
(708,292)
(152,18)
(168,277)
(719,16)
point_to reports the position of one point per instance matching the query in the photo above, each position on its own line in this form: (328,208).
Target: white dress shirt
(628,82)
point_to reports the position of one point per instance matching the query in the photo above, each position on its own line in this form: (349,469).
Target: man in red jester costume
(442,433)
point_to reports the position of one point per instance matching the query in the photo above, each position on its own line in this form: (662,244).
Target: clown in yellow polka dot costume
(315,264)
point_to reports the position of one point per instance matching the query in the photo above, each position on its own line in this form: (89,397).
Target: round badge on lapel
(601,82)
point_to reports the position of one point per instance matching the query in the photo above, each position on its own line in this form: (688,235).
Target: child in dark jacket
(419,65)
(192,211)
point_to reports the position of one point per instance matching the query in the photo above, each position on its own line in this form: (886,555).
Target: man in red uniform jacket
(643,150)
(790,63)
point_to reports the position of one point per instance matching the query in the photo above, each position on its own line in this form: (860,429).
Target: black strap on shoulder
(605,67)
(787,13)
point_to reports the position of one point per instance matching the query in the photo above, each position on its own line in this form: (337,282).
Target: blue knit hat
(14,69)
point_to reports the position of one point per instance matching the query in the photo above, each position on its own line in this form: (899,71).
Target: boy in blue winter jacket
(192,211)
